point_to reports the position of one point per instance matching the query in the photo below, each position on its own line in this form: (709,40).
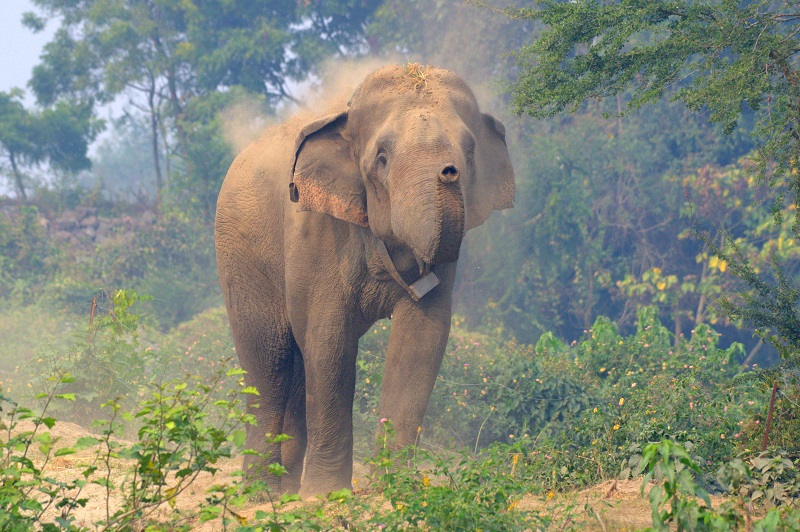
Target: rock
(67,222)
(148,218)
(84,212)
(89,221)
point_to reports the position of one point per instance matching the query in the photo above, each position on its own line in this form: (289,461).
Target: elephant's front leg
(330,367)
(417,343)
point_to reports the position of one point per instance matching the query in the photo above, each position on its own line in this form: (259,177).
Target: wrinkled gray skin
(410,161)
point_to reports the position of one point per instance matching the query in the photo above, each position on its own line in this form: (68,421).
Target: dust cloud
(468,44)
(245,120)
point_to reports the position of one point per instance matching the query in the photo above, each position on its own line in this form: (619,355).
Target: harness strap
(417,289)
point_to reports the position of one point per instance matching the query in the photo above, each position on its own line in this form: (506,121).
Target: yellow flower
(595,410)
(424,504)
(621,401)
(616,427)
(426,481)
(550,495)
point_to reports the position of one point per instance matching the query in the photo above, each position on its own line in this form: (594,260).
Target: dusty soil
(612,505)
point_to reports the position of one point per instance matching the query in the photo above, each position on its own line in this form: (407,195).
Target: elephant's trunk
(451,219)
(430,216)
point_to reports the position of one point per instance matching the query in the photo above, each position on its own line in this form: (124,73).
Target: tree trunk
(154,142)
(18,179)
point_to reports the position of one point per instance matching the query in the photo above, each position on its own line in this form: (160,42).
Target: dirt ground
(612,505)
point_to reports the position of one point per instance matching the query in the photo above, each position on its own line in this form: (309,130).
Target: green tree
(722,57)
(58,136)
(169,57)
(598,202)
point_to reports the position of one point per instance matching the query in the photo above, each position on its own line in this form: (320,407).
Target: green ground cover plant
(505,420)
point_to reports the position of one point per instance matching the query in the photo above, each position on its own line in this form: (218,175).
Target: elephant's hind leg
(266,351)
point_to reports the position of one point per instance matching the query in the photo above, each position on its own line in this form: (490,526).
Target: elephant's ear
(493,187)
(325,177)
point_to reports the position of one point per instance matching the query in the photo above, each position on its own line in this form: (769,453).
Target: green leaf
(64,451)
(84,442)
(340,495)
(238,437)
(289,497)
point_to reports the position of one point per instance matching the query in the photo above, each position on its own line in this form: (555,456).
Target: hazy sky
(19,46)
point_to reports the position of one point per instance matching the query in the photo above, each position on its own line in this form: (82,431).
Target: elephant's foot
(320,488)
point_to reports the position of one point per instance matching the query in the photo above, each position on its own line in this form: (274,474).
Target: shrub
(582,412)
(27,255)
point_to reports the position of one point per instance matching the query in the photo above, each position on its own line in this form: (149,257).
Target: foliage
(786,418)
(678,490)
(58,135)
(21,479)
(171,258)
(768,476)
(466,494)
(675,499)
(729,53)
(766,304)
(727,57)
(601,211)
(176,443)
(176,60)
(183,429)
(27,256)
(111,348)
(582,412)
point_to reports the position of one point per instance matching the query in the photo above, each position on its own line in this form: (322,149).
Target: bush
(173,258)
(27,255)
(582,412)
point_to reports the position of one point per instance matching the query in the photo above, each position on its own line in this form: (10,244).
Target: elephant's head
(412,158)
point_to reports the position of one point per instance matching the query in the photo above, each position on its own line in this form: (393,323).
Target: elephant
(327,224)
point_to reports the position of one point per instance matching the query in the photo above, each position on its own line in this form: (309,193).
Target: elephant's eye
(381,159)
